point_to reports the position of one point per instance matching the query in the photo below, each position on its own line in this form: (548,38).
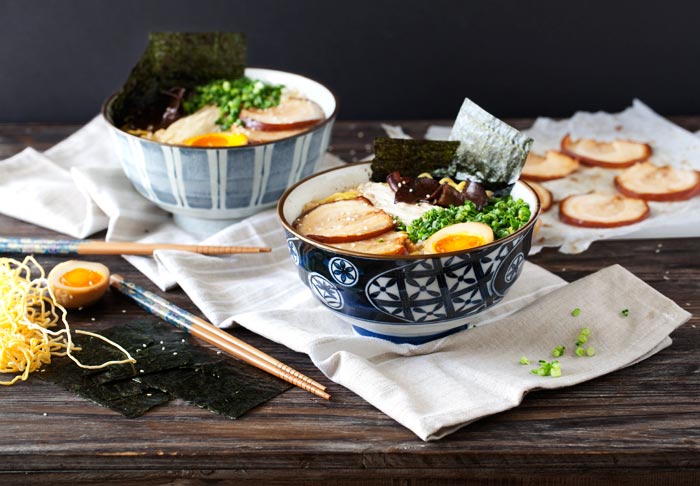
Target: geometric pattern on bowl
(443,288)
(412,299)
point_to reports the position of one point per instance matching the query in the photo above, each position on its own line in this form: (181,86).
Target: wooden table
(640,425)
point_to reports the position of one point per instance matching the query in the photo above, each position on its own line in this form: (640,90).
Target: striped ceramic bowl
(208,188)
(404,299)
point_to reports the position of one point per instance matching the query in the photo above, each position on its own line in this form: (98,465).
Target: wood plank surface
(639,425)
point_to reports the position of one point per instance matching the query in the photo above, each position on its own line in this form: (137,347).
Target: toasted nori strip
(176,59)
(224,387)
(183,370)
(410,157)
(125,396)
(490,151)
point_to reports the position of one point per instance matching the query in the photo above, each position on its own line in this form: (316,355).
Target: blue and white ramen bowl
(404,299)
(208,188)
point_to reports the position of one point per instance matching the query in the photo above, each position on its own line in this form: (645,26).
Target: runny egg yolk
(456,237)
(80,277)
(217,139)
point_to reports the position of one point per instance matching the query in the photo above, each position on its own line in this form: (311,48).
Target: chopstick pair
(213,335)
(95,247)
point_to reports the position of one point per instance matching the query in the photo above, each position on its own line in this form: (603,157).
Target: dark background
(385,60)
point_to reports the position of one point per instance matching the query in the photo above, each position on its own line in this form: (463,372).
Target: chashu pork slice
(617,154)
(290,114)
(344,221)
(389,243)
(597,210)
(653,183)
(554,165)
(543,194)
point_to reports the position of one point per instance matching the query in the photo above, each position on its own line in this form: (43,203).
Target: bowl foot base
(202,227)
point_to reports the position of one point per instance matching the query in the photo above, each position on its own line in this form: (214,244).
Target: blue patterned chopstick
(200,328)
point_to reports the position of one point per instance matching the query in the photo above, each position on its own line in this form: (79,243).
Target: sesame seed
(123,311)
(175,353)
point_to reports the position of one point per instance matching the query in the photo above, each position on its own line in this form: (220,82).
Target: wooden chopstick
(213,335)
(95,247)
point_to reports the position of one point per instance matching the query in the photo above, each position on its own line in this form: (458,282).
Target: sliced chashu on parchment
(617,154)
(654,183)
(598,210)
(553,165)
(543,194)
(344,221)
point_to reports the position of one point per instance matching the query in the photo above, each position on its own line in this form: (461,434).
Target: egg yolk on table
(80,277)
(217,139)
(461,236)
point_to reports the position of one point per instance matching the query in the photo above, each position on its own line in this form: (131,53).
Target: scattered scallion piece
(547,369)
(580,351)
(524,361)
(558,351)
(590,351)
(575,312)
(625,312)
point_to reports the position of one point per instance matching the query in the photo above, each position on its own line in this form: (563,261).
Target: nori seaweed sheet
(176,59)
(245,388)
(181,370)
(490,151)
(410,157)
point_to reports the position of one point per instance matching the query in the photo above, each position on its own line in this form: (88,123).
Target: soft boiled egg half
(78,284)
(460,236)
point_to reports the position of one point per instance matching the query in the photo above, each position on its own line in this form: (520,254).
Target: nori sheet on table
(169,365)
(490,152)
(176,59)
(410,157)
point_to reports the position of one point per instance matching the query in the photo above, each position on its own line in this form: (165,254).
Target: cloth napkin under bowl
(435,388)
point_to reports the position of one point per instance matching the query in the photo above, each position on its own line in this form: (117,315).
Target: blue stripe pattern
(242,181)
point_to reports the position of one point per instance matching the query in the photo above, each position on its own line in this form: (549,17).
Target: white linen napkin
(78,188)
(671,144)
(435,388)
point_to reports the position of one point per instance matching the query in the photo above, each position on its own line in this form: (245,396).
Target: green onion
(590,351)
(232,96)
(575,312)
(504,215)
(625,312)
(547,369)
(580,351)
(558,351)
(524,361)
